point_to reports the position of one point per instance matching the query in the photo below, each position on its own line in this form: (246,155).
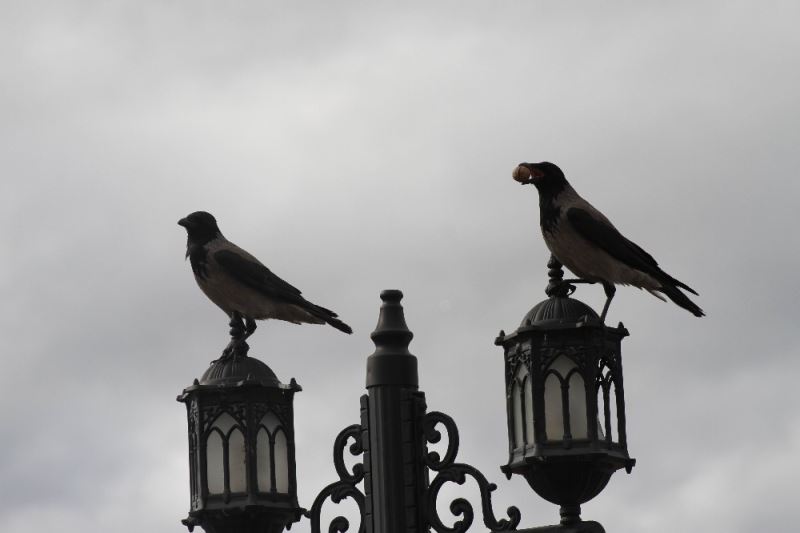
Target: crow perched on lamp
(586,242)
(242,286)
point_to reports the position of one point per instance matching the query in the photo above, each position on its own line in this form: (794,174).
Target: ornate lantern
(241,448)
(565,401)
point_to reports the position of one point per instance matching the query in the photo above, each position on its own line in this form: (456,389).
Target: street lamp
(566,428)
(241,447)
(565,401)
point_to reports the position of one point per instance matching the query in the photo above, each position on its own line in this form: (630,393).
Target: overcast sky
(355,147)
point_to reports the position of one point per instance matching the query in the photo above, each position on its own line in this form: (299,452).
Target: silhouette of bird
(241,285)
(586,242)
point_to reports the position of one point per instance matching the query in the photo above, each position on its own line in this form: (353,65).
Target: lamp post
(241,447)
(565,402)
(557,363)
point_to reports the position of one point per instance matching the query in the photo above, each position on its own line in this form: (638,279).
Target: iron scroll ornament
(345,487)
(450,471)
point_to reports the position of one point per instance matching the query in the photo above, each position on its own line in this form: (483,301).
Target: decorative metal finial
(237,347)
(391,363)
(557,288)
(391,335)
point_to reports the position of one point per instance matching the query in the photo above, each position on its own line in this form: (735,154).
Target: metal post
(395,476)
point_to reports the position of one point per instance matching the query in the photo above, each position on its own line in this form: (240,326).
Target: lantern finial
(557,286)
(237,347)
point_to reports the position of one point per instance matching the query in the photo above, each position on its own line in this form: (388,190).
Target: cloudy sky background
(355,147)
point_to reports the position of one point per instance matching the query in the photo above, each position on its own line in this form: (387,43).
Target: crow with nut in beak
(586,242)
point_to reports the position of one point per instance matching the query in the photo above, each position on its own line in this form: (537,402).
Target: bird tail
(338,324)
(655,293)
(331,318)
(675,294)
(680,284)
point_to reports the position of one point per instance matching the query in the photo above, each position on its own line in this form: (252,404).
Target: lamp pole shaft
(395,475)
(393,467)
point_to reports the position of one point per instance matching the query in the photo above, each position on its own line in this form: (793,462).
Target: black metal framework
(564,452)
(450,471)
(563,364)
(241,448)
(346,487)
(393,441)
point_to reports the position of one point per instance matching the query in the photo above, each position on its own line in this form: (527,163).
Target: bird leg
(610,289)
(250,328)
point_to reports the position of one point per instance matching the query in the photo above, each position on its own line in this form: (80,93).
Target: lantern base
(251,519)
(569,480)
(579,527)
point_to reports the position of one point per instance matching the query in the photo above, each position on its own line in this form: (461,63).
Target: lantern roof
(559,310)
(234,370)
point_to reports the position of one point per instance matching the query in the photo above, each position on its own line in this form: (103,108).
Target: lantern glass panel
(613,432)
(263,461)
(563,373)
(527,388)
(214,463)
(516,410)
(601,417)
(236,461)
(607,408)
(224,423)
(270,422)
(577,407)
(225,433)
(281,463)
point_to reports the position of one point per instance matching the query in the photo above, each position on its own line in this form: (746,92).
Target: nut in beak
(521,174)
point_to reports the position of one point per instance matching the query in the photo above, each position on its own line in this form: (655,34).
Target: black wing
(257,276)
(607,238)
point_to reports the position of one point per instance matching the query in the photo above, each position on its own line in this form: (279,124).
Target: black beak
(183,222)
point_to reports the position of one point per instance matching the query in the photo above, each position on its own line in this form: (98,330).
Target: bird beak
(183,222)
(526,173)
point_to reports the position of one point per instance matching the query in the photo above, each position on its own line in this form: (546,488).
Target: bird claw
(560,288)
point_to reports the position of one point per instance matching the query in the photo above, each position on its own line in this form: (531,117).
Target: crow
(241,285)
(586,242)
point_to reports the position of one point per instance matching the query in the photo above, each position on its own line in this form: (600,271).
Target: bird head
(201,227)
(545,176)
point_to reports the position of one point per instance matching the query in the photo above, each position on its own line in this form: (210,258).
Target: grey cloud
(360,147)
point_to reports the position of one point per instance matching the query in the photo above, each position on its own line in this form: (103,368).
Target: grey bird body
(232,295)
(589,262)
(587,243)
(241,285)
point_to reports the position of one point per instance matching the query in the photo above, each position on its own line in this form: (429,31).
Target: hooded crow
(587,243)
(240,285)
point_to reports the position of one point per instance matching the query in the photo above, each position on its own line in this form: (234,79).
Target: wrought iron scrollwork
(336,492)
(345,487)
(432,435)
(356,449)
(450,471)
